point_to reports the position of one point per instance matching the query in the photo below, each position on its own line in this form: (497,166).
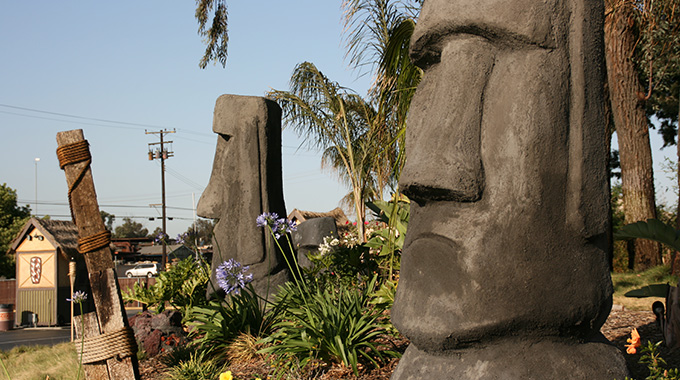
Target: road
(47,336)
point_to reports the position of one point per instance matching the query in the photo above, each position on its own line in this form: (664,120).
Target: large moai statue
(504,272)
(246,181)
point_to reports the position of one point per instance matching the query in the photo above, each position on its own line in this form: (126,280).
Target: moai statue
(310,235)
(246,181)
(504,271)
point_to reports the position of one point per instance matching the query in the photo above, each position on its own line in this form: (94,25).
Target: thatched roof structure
(61,234)
(300,216)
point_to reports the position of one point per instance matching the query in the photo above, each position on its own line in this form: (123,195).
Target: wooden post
(109,311)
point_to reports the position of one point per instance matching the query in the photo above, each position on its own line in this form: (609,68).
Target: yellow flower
(634,341)
(226,376)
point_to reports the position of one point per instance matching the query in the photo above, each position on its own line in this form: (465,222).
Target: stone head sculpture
(506,165)
(245,182)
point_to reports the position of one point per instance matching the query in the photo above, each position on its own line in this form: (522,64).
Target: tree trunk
(675,257)
(609,131)
(631,127)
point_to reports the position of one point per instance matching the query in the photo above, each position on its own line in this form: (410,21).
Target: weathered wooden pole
(109,347)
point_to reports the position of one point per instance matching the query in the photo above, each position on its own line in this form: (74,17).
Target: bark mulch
(617,329)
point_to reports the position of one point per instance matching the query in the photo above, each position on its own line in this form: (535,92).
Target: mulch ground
(616,329)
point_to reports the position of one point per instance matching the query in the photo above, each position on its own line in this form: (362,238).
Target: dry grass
(624,282)
(59,362)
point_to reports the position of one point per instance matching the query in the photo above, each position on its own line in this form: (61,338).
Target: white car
(140,270)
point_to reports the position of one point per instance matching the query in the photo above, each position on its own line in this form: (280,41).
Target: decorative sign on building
(36,269)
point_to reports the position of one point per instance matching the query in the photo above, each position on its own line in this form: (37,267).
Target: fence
(127,283)
(8,291)
(8,288)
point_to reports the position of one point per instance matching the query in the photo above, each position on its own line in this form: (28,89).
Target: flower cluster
(634,342)
(181,238)
(160,238)
(328,245)
(279,226)
(232,277)
(78,297)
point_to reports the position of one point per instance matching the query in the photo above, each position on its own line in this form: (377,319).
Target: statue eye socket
(426,57)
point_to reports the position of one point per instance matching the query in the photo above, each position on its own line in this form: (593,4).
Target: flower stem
(5,369)
(82,339)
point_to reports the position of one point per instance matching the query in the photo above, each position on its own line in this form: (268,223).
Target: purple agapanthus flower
(160,237)
(267,219)
(232,277)
(181,238)
(279,226)
(78,297)
(283,227)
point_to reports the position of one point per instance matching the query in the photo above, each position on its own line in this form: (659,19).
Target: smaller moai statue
(309,237)
(246,181)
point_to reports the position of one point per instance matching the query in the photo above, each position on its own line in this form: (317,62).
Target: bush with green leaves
(201,365)
(332,324)
(338,261)
(182,286)
(219,322)
(655,364)
(387,243)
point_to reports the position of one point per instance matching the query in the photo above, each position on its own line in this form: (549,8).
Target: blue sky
(137,62)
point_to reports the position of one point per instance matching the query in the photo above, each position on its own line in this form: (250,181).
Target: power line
(48,203)
(122,217)
(78,117)
(70,121)
(133,125)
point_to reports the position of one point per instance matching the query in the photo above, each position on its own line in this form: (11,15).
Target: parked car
(140,270)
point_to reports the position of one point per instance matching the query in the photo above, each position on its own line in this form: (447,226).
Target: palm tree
(216,35)
(378,35)
(335,120)
(362,140)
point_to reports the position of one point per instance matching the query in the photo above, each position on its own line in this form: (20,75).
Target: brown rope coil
(72,154)
(94,242)
(117,344)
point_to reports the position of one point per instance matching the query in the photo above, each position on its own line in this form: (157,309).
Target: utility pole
(158,150)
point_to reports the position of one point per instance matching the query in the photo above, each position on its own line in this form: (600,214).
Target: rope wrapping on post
(72,154)
(94,242)
(117,344)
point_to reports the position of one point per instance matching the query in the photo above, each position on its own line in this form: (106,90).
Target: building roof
(336,213)
(158,249)
(61,234)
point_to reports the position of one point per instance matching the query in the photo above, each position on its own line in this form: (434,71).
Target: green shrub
(182,286)
(387,243)
(331,324)
(199,367)
(220,321)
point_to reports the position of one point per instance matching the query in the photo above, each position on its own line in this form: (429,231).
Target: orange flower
(634,341)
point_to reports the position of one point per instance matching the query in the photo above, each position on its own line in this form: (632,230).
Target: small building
(43,251)
(174,252)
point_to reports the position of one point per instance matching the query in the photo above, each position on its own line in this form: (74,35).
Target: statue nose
(443,141)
